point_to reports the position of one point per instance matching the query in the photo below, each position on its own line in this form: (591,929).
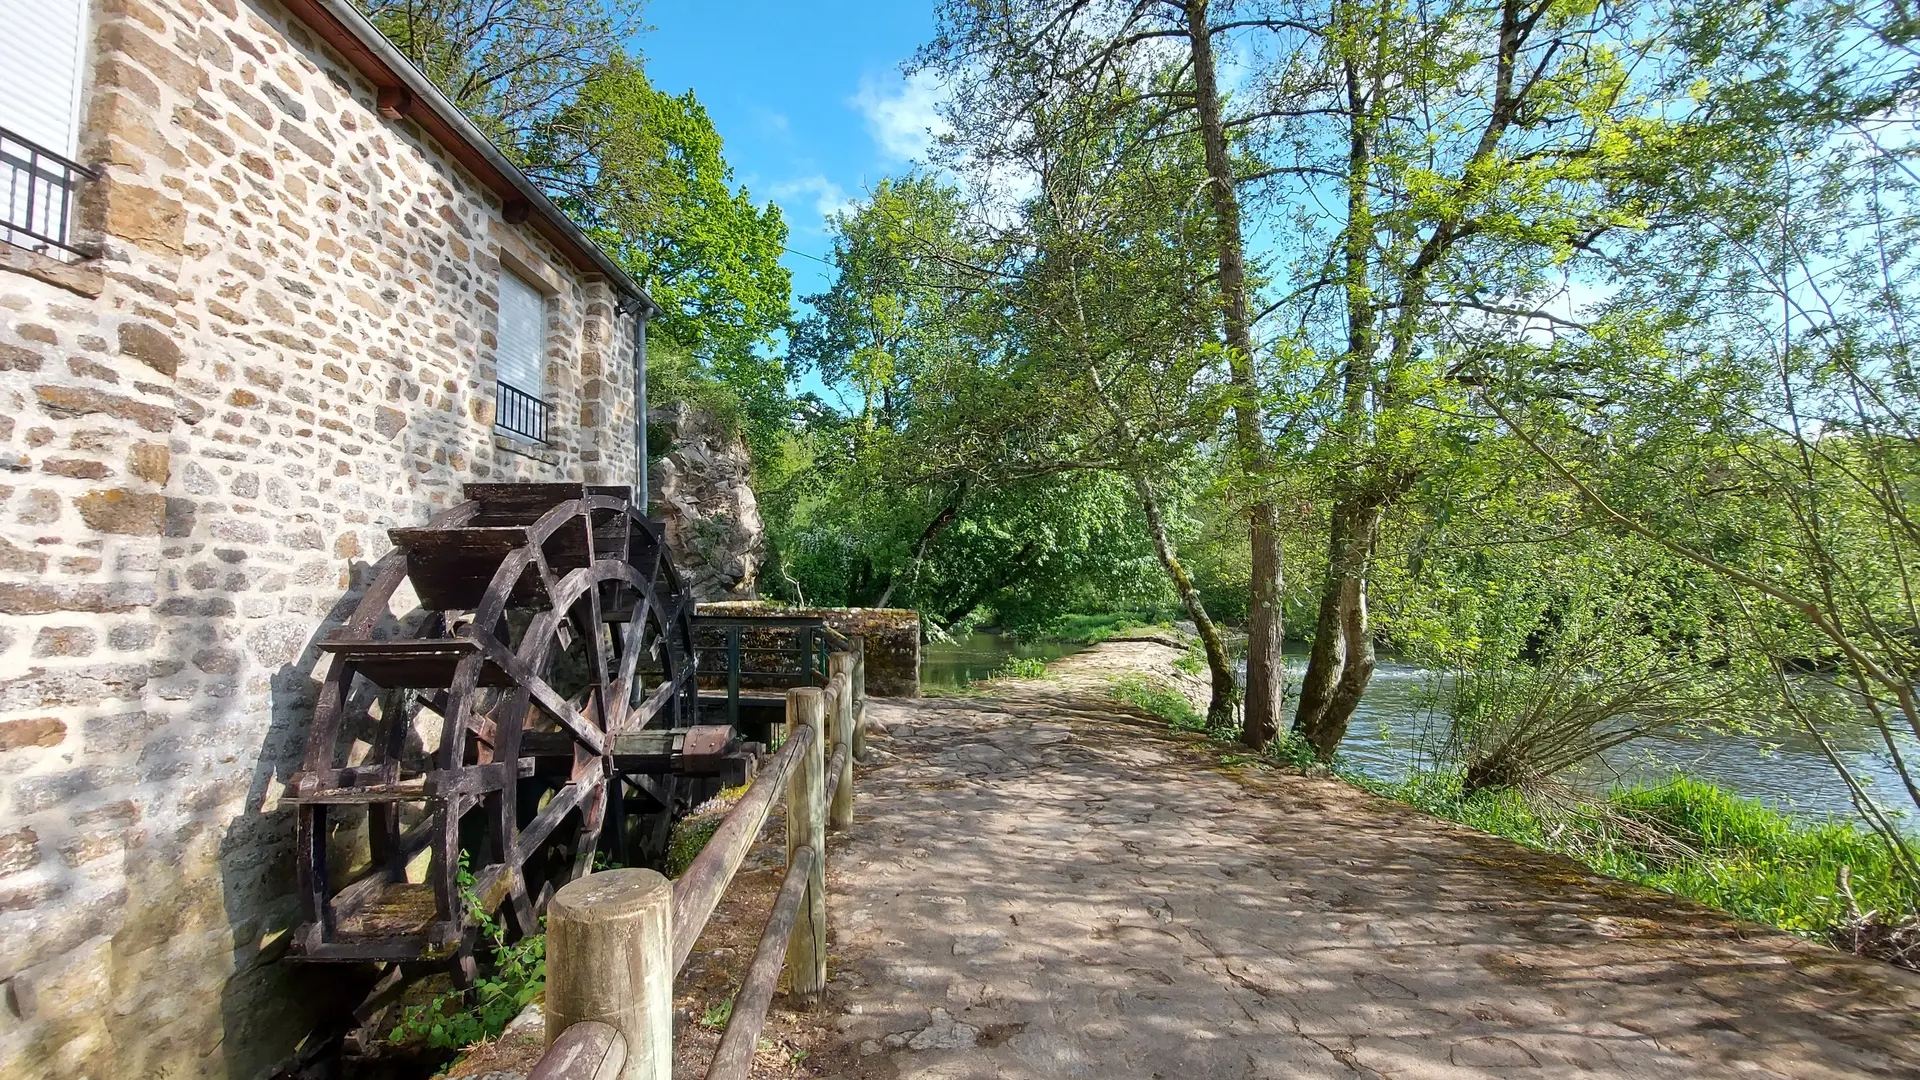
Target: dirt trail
(1041,885)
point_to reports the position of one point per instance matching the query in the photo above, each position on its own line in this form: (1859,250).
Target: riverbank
(1828,882)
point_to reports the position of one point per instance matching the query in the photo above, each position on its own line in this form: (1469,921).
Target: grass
(1091,629)
(690,835)
(1154,696)
(1151,695)
(1691,839)
(1022,667)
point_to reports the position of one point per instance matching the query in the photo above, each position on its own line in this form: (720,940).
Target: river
(1393,723)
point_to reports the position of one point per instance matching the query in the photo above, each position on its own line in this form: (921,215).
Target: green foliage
(1014,386)
(675,375)
(1691,839)
(1294,752)
(690,836)
(887,319)
(1022,667)
(642,171)
(1154,696)
(1092,629)
(517,973)
(715,1017)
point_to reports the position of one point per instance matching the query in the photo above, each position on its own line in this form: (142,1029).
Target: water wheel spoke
(593,813)
(565,801)
(545,696)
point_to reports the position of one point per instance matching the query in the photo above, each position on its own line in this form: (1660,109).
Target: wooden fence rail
(617,939)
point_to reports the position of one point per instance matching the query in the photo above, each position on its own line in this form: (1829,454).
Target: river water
(1394,725)
(969,658)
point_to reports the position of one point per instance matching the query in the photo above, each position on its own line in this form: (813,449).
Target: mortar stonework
(284,348)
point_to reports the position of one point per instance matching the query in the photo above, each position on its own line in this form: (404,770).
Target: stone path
(1042,886)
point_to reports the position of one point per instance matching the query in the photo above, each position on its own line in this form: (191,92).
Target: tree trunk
(1342,659)
(1326,658)
(1265,689)
(1225,693)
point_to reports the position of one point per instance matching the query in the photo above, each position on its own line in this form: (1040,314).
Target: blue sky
(808,97)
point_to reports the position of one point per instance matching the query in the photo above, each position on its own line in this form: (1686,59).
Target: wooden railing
(763,652)
(617,939)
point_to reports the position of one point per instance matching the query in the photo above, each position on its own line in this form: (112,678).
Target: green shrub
(674,373)
(715,1017)
(1292,751)
(690,835)
(1092,629)
(1022,667)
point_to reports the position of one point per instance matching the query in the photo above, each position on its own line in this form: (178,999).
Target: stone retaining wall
(284,349)
(892,634)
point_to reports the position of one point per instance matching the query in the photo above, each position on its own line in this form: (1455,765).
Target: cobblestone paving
(1040,885)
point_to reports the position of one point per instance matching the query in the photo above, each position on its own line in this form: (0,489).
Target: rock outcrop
(701,489)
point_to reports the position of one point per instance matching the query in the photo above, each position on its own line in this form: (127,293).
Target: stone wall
(892,636)
(284,348)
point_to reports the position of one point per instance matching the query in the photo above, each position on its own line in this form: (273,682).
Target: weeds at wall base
(517,973)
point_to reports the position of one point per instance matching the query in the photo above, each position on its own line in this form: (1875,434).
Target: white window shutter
(40,55)
(520,359)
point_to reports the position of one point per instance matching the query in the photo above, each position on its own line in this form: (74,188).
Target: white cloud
(828,198)
(902,114)
(773,123)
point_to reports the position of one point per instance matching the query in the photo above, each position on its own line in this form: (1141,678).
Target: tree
(1094,294)
(1464,154)
(1745,399)
(509,66)
(644,174)
(901,262)
(1004,62)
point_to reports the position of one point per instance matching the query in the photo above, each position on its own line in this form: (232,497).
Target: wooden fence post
(807,828)
(859,746)
(840,733)
(610,959)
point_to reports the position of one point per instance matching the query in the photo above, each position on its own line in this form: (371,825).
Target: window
(40,56)
(520,360)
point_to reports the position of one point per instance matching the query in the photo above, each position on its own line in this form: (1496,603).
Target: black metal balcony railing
(520,413)
(38,189)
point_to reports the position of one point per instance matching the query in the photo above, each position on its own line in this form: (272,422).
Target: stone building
(285,299)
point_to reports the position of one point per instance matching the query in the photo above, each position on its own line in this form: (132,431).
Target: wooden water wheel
(513,693)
